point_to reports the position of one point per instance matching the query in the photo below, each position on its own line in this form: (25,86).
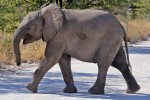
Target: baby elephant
(89,35)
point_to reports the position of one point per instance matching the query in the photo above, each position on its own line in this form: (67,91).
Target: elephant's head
(44,24)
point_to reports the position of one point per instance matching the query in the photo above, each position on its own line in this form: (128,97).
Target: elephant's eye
(30,28)
(27,36)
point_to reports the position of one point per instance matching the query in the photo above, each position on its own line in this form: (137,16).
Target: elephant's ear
(57,16)
(53,20)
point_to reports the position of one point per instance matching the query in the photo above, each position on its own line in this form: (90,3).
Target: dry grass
(137,30)
(30,52)
(33,52)
(6,52)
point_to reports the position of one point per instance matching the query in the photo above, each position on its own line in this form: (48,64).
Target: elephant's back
(84,14)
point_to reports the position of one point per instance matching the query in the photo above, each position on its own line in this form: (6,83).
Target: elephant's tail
(126,48)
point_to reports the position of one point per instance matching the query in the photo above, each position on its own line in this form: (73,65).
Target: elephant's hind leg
(65,66)
(120,63)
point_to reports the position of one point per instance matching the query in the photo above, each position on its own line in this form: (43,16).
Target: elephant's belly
(83,52)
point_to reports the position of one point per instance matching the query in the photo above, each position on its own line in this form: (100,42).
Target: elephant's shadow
(53,84)
(139,50)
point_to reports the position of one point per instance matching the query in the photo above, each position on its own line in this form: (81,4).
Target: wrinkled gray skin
(88,35)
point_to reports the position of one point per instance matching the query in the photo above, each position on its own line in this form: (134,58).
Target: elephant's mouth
(26,39)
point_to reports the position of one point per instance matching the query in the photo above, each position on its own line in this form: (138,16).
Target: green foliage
(141,8)
(13,11)
(9,14)
(106,4)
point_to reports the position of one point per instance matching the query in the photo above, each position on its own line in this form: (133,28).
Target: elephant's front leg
(65,66)
(53,52)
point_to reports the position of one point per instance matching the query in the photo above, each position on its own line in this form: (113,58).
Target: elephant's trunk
(16,41)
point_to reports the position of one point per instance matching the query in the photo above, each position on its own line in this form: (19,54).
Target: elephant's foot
(31,88)
(96,90)
(133,89)
(70,89)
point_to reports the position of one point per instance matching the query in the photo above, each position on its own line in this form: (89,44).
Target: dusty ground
(13,68)
(12,82)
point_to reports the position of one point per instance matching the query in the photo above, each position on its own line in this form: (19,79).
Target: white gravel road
(12,84)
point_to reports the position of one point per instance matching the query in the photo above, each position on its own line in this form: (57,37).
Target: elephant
(88,35)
